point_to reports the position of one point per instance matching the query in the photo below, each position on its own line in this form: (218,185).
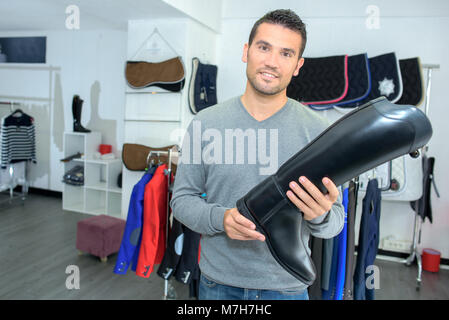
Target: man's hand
(240,228)
(316,204)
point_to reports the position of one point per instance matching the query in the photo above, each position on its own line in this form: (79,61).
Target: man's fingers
(308,213)
(315,193)
(252,234)
(240,236)
(325,201)
(240,219)
(332,188)
(240,228)
(305,197)
(309,199)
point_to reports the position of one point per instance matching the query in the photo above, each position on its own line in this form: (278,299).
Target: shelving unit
(100,193)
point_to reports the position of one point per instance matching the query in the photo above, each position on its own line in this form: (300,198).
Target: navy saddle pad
(322,80)
(203,86)
(385,78)
(412,82)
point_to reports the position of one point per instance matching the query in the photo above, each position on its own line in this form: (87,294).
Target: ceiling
(26,15)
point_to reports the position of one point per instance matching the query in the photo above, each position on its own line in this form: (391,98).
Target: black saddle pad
(203,86)
(322,80)
(412,82)
(359,83)
(175,87)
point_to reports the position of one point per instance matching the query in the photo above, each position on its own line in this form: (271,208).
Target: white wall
(188,39)
(90,63)
(410,28)
(206,12)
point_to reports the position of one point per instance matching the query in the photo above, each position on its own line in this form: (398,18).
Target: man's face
(272,59)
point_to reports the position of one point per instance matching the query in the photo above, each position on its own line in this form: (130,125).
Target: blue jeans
(210,290)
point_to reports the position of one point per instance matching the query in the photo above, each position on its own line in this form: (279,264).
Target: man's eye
(287,54)
(264,48)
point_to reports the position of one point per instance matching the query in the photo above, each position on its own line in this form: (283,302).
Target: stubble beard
(260,88)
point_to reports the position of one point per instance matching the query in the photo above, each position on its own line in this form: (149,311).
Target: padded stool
(99,235)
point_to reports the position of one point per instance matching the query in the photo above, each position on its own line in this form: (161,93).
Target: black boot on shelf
(77,105)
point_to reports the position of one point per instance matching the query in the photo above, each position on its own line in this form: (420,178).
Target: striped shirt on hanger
(18,139)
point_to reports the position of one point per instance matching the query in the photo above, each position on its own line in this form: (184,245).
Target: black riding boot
(77,105)
(375,133)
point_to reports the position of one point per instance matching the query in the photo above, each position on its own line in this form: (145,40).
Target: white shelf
(102,186)
(100,193)
(99,161)
(115,190)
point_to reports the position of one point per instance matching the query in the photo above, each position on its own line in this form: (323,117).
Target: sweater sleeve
(32,137)
(188,204)
(5,154)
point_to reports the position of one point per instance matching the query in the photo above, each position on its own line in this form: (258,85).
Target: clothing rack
(388,186)
(418,222)
(169,292)
(374,176)
(10,103)
(13,195)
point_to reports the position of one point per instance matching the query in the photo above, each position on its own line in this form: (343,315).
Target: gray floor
(37,243)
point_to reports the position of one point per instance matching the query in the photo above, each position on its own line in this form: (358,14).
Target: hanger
(150,161)
(204,58)
(374,171)
(145,43)
(17,113)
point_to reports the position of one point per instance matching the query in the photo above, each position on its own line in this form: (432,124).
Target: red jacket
(152,247)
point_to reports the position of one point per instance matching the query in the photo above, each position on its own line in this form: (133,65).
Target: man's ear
(298,66)
(245,53)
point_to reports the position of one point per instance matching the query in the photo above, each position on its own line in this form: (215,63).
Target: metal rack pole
(168,289)
(168,216)
(418,221)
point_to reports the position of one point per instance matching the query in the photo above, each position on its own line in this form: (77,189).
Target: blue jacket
(342,243)
(129,248)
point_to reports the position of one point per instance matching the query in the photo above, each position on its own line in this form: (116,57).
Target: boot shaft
(77,105)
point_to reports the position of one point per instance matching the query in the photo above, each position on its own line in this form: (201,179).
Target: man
(235,260)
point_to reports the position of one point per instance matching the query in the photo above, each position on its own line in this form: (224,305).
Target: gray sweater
(225,153)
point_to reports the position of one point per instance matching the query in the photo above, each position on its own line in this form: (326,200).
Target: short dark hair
(286,18)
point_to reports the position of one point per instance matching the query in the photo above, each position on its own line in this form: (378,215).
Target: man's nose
(271,60)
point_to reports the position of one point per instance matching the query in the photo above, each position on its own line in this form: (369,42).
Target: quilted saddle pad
(322,80)
(359,83)
(412,82)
